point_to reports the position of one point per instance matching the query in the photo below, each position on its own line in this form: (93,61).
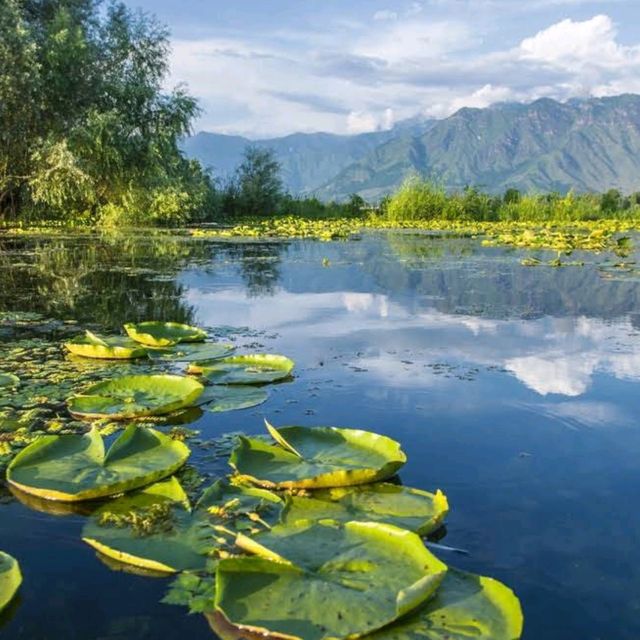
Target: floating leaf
(325,457)
(151,529)
(163,334)
(135,396)
(71,468)
(465,607)
(157,529)
(9,380)
(411,509)
(113,348)
(202,352)
(259,368)
(10,579)
(220,398)
(326,580)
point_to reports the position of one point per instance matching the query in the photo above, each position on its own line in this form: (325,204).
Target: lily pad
(157,529)
(327,581)
(412,509)
(163,334)
(113,348)
(10,578)
(317,457)
(201,352)
(9,380)
(219,398)
(71,468)
(465,606)
(138,396)
(259,368)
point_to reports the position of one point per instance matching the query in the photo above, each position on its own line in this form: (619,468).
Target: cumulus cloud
(355,76)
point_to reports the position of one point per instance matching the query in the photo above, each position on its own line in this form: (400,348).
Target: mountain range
(585,145)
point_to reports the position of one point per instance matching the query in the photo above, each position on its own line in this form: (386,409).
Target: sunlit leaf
(412,509)
(73,468)
(112,348)
(130,397)
(163,334)
(10,579)
(327,581)
(326,457)
(157,529)
(259,368)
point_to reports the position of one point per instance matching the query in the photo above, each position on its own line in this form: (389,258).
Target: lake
(513,389)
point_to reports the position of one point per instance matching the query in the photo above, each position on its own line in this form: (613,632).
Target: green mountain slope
(308,160)
(587,145)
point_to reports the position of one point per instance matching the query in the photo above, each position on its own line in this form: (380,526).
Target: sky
(266,68)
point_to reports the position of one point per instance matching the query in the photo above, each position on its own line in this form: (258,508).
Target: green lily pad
(317,457)
(201,352)
(156,529)
(71,468)
(465,606)
(113,348)
(412,509)
(163,334)
(10,578)
(327,581)
(259,368)
(219,398)
(9,380)
(130,397)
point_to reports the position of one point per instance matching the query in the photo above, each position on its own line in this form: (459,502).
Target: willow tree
(86,130)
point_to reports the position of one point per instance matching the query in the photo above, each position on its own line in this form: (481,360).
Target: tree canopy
(86,130)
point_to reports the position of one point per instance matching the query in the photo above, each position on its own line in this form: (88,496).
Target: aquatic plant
(326,580)
(72,468)
(163,334)
(112,348)
(316,457)
(187,352)
(219,398)
(158,529)
(9,380)
(131,397)
(10,578)
(412,509)
(256,368)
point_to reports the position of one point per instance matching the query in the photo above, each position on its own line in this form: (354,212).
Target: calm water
(515,390)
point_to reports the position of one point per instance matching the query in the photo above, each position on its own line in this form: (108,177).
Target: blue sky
(273,67)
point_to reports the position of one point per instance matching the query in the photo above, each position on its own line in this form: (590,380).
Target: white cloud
(357,77)
(572,45)
(385,14)
(483,97)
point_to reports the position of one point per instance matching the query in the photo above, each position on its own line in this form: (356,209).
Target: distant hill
(586,145)
(309,160)
(589,145)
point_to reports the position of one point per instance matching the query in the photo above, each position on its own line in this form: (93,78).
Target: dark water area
(513,389)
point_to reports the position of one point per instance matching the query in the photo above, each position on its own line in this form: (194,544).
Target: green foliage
(72,468)
(256,189)
(421,200)
(10,578)
(88,133)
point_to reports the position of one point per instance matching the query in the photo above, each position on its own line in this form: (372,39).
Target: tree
(86,129)
(611,201)
(258,183)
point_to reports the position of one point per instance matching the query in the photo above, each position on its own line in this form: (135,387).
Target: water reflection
(513,389)
(108,279)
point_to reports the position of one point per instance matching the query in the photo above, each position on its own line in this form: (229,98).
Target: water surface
(513,389)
